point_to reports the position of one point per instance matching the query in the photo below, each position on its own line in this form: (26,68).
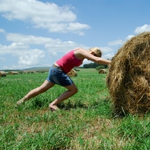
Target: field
(84,122)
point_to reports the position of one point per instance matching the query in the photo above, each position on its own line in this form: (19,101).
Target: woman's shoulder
(79,52)
(78,48)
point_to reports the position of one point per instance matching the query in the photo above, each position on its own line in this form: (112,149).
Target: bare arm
(81,53)
(103,61)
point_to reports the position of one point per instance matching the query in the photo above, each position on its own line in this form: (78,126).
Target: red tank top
(68,61)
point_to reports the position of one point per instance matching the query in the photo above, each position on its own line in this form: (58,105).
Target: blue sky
(35,33)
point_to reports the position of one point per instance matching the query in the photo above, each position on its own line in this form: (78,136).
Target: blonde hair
(96,50)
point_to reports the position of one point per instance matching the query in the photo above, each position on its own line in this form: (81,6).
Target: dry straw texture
(128,78)
(102,71)
(72,73)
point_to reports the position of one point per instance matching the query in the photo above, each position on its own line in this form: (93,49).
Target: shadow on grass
(69,105)
(101,106)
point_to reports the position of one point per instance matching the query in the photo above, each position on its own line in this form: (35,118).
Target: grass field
(85,121)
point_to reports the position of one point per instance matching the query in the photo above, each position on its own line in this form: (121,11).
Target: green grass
(84,122)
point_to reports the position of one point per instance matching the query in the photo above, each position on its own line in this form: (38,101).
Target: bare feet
(53,107)
(21,101)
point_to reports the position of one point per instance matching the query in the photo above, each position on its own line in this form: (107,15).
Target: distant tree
(100,67)
(93,65)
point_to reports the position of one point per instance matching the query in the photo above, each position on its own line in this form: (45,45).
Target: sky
(36,33)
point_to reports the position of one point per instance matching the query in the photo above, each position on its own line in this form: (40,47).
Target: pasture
(84,122)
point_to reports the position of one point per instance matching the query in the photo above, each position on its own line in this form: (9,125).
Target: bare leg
(72,89)
(44,87)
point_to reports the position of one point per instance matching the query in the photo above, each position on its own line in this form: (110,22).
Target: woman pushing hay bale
(128,78)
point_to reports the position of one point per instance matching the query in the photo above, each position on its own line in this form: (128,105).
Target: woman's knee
(72,89)
(75,90)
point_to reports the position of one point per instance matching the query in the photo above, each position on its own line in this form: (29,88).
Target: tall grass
(84,122)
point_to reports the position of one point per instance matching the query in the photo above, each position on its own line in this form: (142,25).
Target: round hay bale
(128,78)
(102,71)
(72,73)
(2,74)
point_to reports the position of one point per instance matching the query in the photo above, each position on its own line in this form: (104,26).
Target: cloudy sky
(36,33)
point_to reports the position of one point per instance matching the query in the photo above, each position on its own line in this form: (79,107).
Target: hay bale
(128,78)
(72,73)
(13,72)
(2,74)
(102,71)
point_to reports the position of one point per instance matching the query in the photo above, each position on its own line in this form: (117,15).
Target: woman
(58,74)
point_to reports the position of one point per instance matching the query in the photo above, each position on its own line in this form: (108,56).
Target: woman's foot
(53,107)
(21,101)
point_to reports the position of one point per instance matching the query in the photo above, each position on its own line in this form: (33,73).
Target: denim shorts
(59,77)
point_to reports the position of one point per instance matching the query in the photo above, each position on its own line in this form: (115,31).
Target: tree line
(94,65)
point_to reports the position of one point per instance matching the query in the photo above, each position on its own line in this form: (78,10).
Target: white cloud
(143,28)
(109,56)
(62,46)
(120,42)
(21,48)
(86,61)
(107,52)
(26,56)
(31,58)
(64,27)
(115,43)
(36,11)
(2,59)
(106,49)
(138,30)
(54,53)
(76,27)
(28,39)
(42,15)
(2,30)
(13,48)
(21,41)
(129,37)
